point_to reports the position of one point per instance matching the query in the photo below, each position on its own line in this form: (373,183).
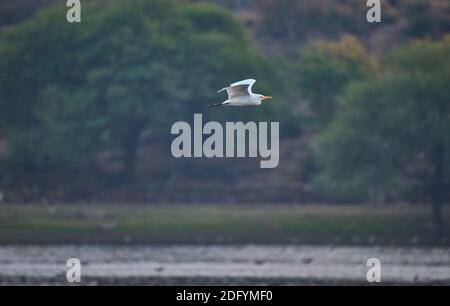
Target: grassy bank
(396,225)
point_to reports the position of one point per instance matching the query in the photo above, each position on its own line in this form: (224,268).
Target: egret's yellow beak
(266,97)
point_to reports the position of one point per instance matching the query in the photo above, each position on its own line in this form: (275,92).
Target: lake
(219,264)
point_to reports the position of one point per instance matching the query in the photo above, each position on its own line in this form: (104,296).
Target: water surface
(222,264)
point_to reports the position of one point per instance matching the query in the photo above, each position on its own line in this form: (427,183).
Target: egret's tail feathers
(214,105)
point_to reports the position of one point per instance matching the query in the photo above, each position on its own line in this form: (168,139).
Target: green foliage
(70,90)
(427,18)
(132,68)
(18,10)
(32,70)
(326,68)
(387,129)
(294,21)
(210,18)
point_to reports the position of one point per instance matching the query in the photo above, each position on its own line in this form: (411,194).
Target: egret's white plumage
(240,94)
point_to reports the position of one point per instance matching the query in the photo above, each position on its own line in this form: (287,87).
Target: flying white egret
(240,94)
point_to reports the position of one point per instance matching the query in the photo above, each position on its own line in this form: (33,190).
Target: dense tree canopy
(127,67)
(375,125)
(325,69)
(394,129)
(294,22)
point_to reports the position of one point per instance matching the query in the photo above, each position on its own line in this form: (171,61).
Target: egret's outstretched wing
(241,88)
(248,82)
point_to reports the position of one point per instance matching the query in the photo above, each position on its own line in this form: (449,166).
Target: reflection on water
(284,263)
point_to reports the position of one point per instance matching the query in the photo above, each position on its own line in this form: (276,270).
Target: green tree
(426,18)
(393,129)
(294,21)
(325,69)
(70,90)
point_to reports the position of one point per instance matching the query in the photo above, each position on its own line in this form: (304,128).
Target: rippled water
(211,264)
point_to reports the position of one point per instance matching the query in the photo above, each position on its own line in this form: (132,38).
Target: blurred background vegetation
(364,109)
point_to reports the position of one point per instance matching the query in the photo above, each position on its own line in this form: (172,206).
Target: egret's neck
(256,98)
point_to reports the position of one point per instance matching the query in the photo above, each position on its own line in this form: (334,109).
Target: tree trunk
(130,149)
(437,188)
